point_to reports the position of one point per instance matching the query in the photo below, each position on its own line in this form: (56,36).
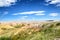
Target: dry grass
(30,31)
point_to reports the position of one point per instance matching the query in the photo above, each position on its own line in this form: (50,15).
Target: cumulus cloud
(30,12)
(6,3)
(56,2)
(53,14)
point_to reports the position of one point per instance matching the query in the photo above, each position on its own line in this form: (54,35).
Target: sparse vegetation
(19,25)
(48,31)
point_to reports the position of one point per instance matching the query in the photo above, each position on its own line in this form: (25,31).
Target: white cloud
(56,2)
(53,14)
(6,3)
(30,12)
(41,14)
(15,14)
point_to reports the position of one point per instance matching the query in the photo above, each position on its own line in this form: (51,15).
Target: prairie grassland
(30,31)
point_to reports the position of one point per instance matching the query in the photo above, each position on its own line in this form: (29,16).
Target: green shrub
(58,24)
(5,38)
(19,25)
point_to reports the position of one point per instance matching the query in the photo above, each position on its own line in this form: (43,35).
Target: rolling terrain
(48,30)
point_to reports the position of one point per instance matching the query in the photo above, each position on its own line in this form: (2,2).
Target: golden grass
(29,31)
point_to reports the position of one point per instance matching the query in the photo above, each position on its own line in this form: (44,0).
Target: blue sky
(18,10)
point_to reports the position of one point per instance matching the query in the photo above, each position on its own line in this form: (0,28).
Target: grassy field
(30,31)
